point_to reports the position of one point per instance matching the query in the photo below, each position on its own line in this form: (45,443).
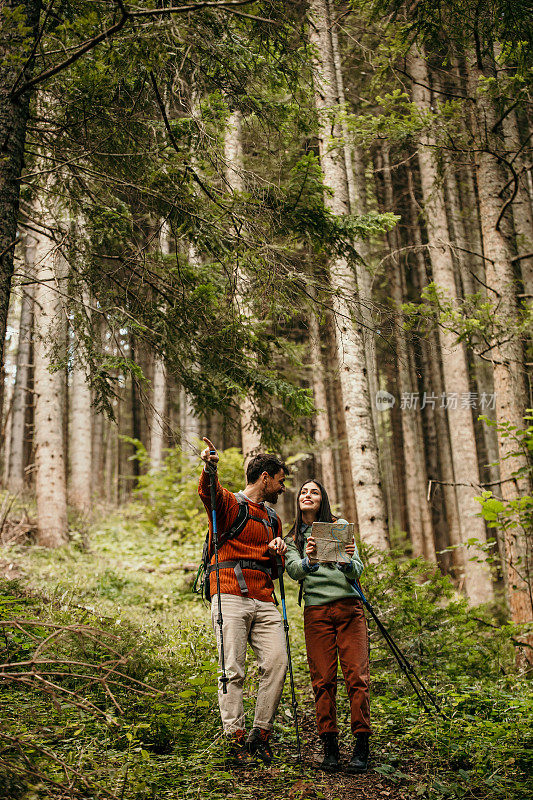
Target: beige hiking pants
(246,620)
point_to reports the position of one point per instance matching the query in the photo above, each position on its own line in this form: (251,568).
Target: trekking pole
(288,644)
(404,663)
(211,468)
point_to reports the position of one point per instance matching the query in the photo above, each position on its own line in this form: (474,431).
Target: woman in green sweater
(334,626)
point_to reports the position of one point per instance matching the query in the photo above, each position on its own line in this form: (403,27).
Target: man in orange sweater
(247,566)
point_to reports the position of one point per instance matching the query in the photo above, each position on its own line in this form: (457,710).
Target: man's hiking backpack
(201,583)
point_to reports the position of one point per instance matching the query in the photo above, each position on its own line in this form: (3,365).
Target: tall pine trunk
(433,385)
(322,426)
(17,43)
(159,384)
(16,474)
(478,582)
(420,526)
(50,473)
(80,430)
(362,451)
(507,353)
(158,411)
(233,153)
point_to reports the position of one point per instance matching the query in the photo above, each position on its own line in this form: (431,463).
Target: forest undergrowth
(111,618)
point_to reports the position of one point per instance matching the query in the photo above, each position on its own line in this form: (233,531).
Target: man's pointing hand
(209,455)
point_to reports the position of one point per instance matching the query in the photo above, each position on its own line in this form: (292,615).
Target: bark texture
(50,478)
(322,427)
(16,475)
(509,384)
(478,582)
(233,152)
(15,47)
(361,444)
(420,526)
(80,440)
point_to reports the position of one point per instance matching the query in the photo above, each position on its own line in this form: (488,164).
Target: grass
(125,577)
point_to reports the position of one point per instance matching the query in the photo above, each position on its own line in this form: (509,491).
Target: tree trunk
(435,387)
(469,267)
(80,449)
(17,42)
(250,437)
(50,478)
(189,426)
(478,582)
(159,385)
(135,409)
(343,477)
(157,431)
(362,445)
(322,427)
(521,206)
(420,527)
(507,355)
(356,187)
(16,479)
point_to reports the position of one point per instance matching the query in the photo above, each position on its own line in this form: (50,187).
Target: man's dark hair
(264,462)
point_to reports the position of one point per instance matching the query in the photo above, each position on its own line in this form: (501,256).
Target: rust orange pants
(337,631)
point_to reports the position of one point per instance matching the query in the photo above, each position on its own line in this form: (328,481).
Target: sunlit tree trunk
(233,153)
(322,427)
(435,386)
(189,421)
(356,187)
(478,582)
(159,385)
(507,353)
(343,477)
(189,426)
(80,429)
(17,40)
(157,431)
(50,477)
(362,445)
(16,479)
(420,526)
(471,278)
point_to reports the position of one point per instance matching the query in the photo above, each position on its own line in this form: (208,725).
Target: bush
(168,499)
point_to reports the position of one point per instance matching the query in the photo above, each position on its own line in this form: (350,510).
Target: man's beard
(272,498)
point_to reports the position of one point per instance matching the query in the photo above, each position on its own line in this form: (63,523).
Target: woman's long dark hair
(324,515)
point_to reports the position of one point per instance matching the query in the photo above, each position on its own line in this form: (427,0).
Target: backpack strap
(274,521)
(237,566)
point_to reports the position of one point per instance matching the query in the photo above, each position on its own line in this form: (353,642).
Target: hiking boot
(236,751)
(330,762)
(259,746)
(359,760)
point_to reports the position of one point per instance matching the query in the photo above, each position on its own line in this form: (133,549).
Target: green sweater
(327,583)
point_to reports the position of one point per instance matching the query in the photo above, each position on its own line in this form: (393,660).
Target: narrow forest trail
(315,784)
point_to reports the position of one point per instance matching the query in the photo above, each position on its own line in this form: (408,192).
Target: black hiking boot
(237,755)
(330,762)
(359,760)
(258,745)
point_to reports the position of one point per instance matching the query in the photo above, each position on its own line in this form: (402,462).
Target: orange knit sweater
(252,543)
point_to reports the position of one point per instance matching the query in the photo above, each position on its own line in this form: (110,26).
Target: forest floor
(130,582)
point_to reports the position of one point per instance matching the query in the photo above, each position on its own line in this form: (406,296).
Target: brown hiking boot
(237,755)
(259,746)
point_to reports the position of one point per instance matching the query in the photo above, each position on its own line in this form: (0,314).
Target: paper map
(331,539)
